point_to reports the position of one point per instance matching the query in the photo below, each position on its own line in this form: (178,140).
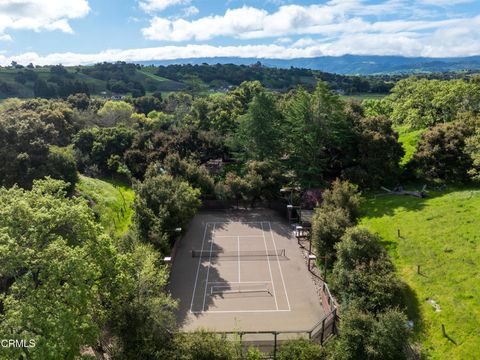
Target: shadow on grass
(383,204)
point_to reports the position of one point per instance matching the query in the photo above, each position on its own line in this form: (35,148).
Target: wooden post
(418,269)
(398,233)
(443,330)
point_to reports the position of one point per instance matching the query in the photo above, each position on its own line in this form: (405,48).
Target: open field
(442,235)
(113,202)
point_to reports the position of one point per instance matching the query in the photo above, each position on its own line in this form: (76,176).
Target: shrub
(301,349)
(344,195)
(365,336)
(202,345)
(363,272)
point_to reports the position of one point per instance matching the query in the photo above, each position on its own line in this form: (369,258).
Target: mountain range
(348,64)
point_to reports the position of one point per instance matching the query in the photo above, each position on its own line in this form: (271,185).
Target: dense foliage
(241,146)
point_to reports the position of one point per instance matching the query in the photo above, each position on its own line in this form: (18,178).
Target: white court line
(237,311)
(234,222)
(269,267)
(237,282)
(237,236)
(198,267)
(238,248)
(278,262)
(209,264)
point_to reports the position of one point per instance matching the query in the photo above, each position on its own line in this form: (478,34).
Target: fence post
(323,331)
(275,345)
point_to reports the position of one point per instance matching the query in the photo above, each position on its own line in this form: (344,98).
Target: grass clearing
(442,235)
(113,202)
(409,140)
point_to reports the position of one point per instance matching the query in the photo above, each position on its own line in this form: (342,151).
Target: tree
(147,104)
(188,170)
(363,272)
(99,146)
(56,271)
(421,103)
(473,150)
(441,152)
(145,320)
(301,350)
(318,135)
(365,336)
(162,204)
(26,152)
(116,113)
(379,153)
(259,134)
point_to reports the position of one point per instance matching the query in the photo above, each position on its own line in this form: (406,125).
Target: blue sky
(86,31)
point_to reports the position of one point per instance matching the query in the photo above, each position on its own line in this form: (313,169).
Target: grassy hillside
(112,202)
(442,235)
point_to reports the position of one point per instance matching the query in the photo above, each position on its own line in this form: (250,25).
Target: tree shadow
(382,204)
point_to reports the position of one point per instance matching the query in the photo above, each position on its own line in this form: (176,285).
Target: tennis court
(242,271)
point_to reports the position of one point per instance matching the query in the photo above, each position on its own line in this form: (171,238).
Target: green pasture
(441,234)
(112,202)
(363,96)
(409,140)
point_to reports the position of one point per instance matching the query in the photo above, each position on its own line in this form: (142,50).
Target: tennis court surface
(242,271)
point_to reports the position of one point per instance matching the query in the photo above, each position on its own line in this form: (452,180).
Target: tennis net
(236,254)
(240,288)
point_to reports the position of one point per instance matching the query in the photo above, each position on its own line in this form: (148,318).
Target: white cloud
(445,2)
(335,17)
(190,11)
(150,6)
(38,15)
(450,41)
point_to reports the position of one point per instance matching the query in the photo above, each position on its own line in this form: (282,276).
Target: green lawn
(113,202)
(409,140)
(442,235)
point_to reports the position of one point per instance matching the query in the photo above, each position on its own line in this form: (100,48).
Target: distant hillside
(107,79)
(139,79)
(349,64)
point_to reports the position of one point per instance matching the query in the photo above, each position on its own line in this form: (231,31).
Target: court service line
(209,264)
(198,267)
(269,267)
(238,248)
(278,263)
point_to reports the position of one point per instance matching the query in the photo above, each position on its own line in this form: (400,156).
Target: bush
(365,337)
(343,195)
(202,345)
(162,204)
(328,226)
(363,272)
(301,350)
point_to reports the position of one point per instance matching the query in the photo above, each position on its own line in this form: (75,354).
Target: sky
(73,32)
